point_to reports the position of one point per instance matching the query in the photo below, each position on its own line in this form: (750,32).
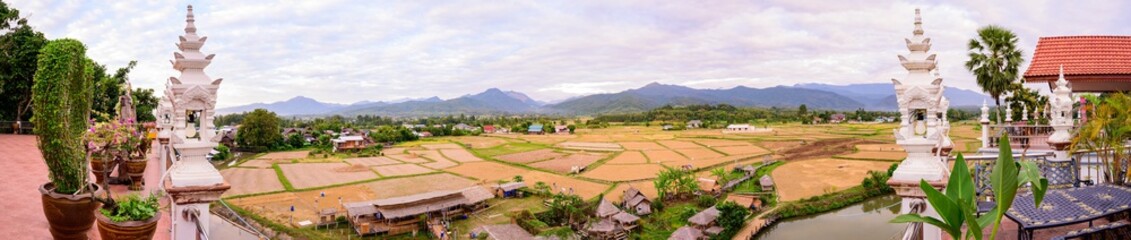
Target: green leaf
(947,208)
(1030,173)
(972,227)
(908,218)
(1003,180)
(961,183)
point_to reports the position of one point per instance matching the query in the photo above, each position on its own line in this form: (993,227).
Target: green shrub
(706,201)
(132,208)
(61,94)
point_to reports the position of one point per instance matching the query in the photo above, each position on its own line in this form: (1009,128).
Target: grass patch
(501,211)
(299,233)
(660,225)
(282,178)
(509,148)
(827,202)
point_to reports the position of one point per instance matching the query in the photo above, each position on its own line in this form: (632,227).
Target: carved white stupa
(190,99)
(922,127)
(1061,115)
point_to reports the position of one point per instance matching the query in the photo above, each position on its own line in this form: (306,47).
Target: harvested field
(440,164)
(699,153)
(721,143)
(284,155)
(372,161)
(594,138)
(546,139)
(415,185)
(564,164)
(641,146)
(699,164)
(460,155)
(487,171)
(480,142)
(778,146)
(658,156)
(408,158)
(891,156)
(617,194)
(824,148)
(438,160)
(592,146)
(258,163)
(308,175)
(880,147)
(442,146)
(531,156)
(802,179)
(247,181)
(679,144)
(740,150)
(400,170)
(628,157)
(625,172)
(585,189)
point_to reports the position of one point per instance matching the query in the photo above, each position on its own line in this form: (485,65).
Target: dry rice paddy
(699,153)
(531,156)
(679,144)
(460,155)
(624,172)
(641,146)
(372,161)
(628,157)
(890,156)
(592,146)
(664,156)
(400,170)
(565,164)
(487,171)
(247,181)
(803,179)
(308,175)
(739,150)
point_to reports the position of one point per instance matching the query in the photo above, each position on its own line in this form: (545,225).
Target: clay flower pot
(130,230)
(70,216)
(135,168)
(98,165)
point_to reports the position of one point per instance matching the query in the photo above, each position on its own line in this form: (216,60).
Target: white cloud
(348,51)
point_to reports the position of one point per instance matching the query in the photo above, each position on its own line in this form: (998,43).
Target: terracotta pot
(97,166)
(131,230)
(135,168)
(70,216)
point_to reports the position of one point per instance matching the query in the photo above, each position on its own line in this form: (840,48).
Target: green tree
(994,61)
(295,140)
(145,103)
(731,217)
(720,174)
(260,129)
(1107,130)
(19,51)
(61,95)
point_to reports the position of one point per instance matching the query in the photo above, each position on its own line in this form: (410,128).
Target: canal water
(865,220)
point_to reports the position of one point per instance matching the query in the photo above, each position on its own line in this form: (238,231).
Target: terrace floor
(22,216)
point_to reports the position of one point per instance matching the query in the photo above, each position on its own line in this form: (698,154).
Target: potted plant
(132,217)
(61,95)
(132,146)
(99,141)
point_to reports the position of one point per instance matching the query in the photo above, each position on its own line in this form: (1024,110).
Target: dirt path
(753,226)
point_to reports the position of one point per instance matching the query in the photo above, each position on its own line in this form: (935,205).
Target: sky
(349,51)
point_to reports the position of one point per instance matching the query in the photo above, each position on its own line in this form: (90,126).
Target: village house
(228,137)
(694,124)
(687,233)
(705,221)
(613,223)
(635,201)
(464,127)
(399,215)
(508,190)
(739,127)
(344,142)
(534,129)
(488,128)
(667,126)
(837,118)
(561,130)
(503,232)
(767,183)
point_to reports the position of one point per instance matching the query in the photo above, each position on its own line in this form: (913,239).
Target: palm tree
(1107,130)
(720,174)
(994,60)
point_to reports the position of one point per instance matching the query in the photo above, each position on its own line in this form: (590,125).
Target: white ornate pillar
(1061,119)
(193,182)
(985,121)
(920,99)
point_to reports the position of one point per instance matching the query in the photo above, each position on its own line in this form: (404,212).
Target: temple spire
(918,23)
(190,26)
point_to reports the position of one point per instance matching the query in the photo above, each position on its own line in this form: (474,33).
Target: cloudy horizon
(349,51)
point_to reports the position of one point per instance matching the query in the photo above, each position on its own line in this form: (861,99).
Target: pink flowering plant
(114,137)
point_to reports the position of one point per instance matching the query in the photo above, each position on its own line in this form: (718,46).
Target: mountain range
(494,101)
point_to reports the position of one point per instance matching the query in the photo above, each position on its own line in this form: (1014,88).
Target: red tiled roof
(1102,57)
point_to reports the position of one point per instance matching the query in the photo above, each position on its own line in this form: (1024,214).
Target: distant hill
(491,101)
(295,106)
(881,96)
(655,95)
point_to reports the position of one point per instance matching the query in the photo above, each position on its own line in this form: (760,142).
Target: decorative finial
(190,27)
(1061,82)
(918,23)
